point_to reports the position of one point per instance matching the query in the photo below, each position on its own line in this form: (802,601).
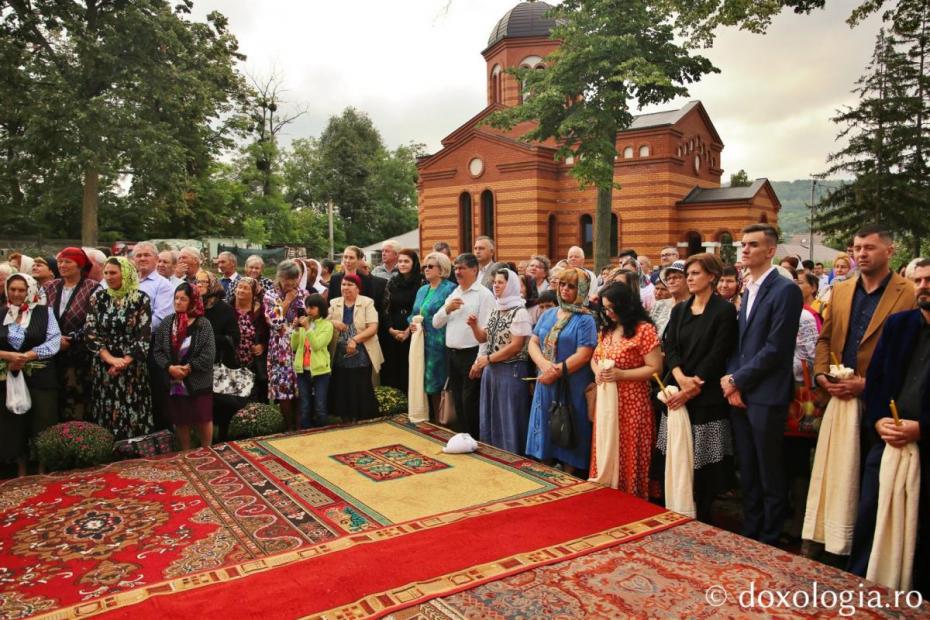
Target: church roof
(660,119)
(527,19)
(723,194)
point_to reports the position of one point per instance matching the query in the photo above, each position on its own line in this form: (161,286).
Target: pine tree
(875,156)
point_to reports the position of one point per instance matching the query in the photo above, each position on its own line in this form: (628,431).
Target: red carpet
(259,528)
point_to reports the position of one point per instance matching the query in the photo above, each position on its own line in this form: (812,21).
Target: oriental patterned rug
(691,571)
(344,522)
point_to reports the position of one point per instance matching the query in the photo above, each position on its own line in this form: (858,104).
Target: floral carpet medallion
(86,542)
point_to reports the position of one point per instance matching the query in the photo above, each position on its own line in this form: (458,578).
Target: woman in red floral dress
(630,340)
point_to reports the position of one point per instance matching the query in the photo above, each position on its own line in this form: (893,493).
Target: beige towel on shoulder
(679,460)
(834,487)
(892,560)
(607,432)
(417,404)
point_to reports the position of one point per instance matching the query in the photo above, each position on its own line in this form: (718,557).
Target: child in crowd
(310,342)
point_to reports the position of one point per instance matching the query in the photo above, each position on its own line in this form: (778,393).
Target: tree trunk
(89,207)
(602,228)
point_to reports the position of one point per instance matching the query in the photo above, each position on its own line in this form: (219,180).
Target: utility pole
(813,209)
(331,242)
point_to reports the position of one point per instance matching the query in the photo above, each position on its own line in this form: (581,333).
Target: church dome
(527,19)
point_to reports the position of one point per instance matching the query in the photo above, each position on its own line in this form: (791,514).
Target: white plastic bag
(18,400)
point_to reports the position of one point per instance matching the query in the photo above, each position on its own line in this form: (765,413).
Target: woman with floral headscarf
(505,398)
(563,342)
(28,333)
(184,350)
(118,333)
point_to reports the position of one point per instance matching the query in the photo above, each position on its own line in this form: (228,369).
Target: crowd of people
(132,345)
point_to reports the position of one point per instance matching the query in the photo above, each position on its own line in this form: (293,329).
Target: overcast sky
(416,68)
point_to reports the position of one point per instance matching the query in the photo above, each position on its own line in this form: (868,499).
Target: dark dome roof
(527,19)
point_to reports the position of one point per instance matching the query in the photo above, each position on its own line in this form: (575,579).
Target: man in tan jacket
(857,312)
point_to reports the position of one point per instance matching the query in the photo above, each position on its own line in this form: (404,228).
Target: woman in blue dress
(564,334)
(430,298)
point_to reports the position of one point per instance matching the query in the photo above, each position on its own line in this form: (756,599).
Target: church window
(614,234)
(644,150)
(628,152)
(695,243)
(553,235)
(586,241)
(496,84)
(487,213)
(465,222)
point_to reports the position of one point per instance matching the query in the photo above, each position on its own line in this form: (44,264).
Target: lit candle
(894,414)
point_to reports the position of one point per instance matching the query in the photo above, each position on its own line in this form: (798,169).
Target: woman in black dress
(700,336)
(393,328)
(225,323)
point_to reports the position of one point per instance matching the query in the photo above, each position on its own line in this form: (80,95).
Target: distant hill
(795,196)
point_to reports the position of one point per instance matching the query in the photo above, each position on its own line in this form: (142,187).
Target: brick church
(487,182)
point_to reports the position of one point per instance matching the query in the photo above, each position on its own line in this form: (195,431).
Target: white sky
(415,67)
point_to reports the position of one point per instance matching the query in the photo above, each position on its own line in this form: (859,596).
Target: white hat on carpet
(461,443)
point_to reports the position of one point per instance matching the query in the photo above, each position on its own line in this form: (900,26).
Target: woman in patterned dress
(563,336)
(284,304)
(629,338)
(700,337)
(430,298)
(505,399)
(69,299)
(253,334)
(118,334)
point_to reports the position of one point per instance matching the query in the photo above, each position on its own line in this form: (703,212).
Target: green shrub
(256,420)
(391,401)
(74,444)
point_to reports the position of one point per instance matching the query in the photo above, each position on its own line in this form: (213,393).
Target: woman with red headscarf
(184,350)
(69,299)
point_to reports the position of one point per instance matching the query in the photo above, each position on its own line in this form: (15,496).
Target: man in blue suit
(760,384)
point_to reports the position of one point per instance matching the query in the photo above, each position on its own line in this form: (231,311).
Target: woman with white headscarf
(505,400)
(28,334)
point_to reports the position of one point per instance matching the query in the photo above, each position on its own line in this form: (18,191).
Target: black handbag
(561,428)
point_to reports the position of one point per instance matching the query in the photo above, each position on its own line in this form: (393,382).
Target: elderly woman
(700,338)
(44,270)
(29,333)
(561,346)
(253,334)
(283,305)
(254,265)
(538,269)
(184,349)
(505,399)
(730,285)
(394,329)
(118,335)
(357,356)
(69,299)
(674,278)
(225,324)
(430,298)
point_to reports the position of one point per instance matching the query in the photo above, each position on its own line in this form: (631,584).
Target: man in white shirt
(469,298)
(227,263)
(152,283)
(575,259)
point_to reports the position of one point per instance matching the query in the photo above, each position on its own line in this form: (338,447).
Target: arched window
(552,234)
(628,152)
(644,150)
(764,219)
(695,243)
(465,222)
(586,230)
(496,84)
(727,250)
(614,234)
(487,213)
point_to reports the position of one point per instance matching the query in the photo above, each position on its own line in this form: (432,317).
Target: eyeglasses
(429,266)
(204,282)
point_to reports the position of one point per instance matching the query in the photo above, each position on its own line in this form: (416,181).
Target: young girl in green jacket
(310,342)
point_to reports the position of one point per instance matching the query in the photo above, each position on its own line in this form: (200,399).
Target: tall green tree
(740,179)
(127,93)
(613,56)
(875,154)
